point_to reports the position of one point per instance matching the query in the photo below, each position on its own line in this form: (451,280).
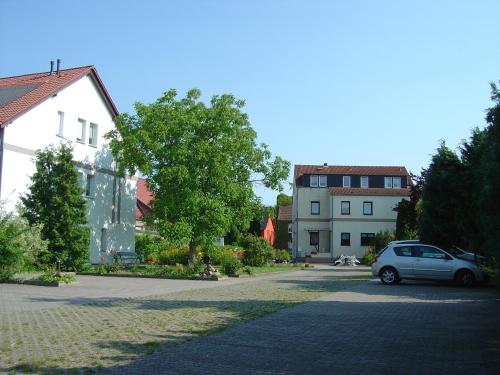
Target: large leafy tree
(408,216)
(200,161)
(55,200)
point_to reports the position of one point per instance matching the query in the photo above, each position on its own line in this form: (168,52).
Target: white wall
(39,128)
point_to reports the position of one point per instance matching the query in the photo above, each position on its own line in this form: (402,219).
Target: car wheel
(465,278)
(389,276)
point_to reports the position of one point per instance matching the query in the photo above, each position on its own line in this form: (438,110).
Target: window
(367,239)
(364,182)
(314,238)
(313,181)
(346,181)
(345,239)
(93,134)
(322,181)
(392,182)
(345,208)
(89,185)
(396,182)
(367,208)
(80,131)
(61,124)
(431,252)
(317,180)
(388,182)
(314,208)
(403,251)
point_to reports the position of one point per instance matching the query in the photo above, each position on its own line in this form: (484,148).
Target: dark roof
(285,213)
(370,191)
(350,170)
(19,94)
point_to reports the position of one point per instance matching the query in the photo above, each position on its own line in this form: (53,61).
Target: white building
(338,209)
(70,105)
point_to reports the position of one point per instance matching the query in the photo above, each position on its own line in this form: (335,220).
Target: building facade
(338,209)
(72,106)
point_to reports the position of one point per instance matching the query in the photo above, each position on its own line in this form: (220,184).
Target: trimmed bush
(173,256)
(282,256)
(257,251)
(214,253)
(230,265)
(147,246)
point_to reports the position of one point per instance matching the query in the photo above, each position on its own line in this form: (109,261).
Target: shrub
(173,256)
(230,265)
(214,253)
(369,256)
(147,246)
(257,251)
(282,256)
(382,238)
(20,245)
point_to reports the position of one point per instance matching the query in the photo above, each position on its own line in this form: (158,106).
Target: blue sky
(344,82)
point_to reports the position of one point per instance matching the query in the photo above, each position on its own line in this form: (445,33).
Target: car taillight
(376,258)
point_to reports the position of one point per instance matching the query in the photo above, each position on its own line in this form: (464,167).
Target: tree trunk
(192,253)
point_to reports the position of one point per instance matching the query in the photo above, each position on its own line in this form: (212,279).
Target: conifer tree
(55,200)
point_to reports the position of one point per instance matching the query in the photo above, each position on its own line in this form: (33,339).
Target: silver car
(421,261)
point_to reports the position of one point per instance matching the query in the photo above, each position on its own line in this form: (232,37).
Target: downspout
(2,132)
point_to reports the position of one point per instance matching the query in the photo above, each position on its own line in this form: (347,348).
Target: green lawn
(275,268)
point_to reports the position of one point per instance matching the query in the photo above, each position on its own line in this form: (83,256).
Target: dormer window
(364,182)
(392,182)
(346,181)
(322,181)
(313,180)
(317,180)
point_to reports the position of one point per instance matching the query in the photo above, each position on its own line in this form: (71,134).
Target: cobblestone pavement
(368,329)
(83,329)
(350,326)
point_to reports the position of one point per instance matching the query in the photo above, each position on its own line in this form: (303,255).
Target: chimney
(58,65)
(51,67)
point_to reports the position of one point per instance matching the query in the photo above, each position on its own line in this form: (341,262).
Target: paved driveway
(368,329)
(365,328)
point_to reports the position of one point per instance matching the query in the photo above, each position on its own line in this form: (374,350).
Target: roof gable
(19,94)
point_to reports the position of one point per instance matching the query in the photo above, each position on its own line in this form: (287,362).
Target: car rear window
(403,251)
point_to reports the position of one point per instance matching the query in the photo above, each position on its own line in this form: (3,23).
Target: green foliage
(369,256)
(200,161)
(408,215)
(55,201)
(382,238)
(257,251)
(230,265)
(441,197)
(148,246)
(283,200)
(282,255)
(248,270)
(11,250)
(215,253)
(51,277)
(173,256)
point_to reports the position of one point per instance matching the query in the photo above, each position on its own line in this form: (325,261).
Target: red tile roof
(285,213)
(40,86)
(144,198)
(371,191)
(349,170)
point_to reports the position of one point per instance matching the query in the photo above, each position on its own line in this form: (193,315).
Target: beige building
(338,209)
